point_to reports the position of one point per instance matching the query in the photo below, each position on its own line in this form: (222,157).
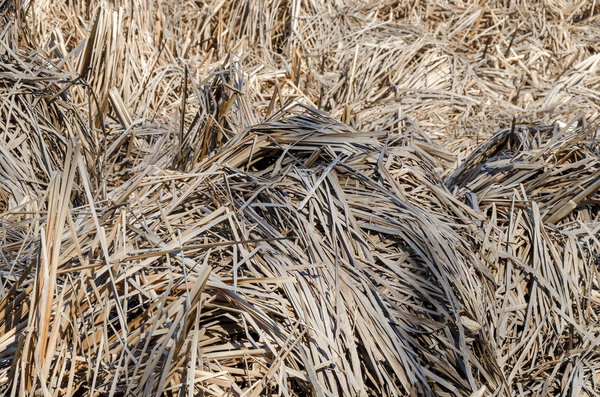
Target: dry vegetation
(247,197)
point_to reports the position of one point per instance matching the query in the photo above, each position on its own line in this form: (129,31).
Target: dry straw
(277,198)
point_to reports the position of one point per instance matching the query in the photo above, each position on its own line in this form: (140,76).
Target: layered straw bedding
(299,198)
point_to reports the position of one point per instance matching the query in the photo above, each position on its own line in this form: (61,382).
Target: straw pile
(277,198)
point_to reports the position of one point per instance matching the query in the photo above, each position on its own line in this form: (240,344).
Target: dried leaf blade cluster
(247,202)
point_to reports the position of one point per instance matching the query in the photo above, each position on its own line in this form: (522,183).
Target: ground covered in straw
(299,197)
